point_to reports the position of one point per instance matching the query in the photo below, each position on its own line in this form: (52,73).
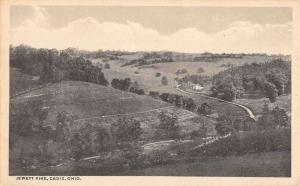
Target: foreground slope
(85,100)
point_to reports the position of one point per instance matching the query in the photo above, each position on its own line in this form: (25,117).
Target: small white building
(197,87)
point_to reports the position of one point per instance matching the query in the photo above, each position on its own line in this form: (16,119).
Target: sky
(181,29)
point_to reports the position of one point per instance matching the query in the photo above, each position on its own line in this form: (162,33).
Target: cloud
(88,33)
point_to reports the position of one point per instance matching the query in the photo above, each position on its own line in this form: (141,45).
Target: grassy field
(267,164)
(256,105)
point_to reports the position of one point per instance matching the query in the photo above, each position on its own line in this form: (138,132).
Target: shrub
(158,74)
(164,80)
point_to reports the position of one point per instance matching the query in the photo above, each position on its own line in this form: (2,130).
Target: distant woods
(52,65)
(269,79)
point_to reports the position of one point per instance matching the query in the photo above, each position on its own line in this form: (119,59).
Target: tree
(164,80)
(271,91)
(189,104)
(157,74)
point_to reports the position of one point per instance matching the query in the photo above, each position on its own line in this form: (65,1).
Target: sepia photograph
(193,91)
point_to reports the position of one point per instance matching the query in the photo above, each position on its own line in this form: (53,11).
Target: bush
(158,74)
(164,80)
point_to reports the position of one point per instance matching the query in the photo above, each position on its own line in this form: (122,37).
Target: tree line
(52,65)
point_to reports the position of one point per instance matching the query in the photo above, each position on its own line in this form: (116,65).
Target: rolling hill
(100,105)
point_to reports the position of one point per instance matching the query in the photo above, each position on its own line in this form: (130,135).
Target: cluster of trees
(270,79)
(121,84)
(52,65)
(175,99)
(127,85)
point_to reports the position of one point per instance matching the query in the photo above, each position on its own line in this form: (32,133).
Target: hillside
(85,100)
(96,104)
